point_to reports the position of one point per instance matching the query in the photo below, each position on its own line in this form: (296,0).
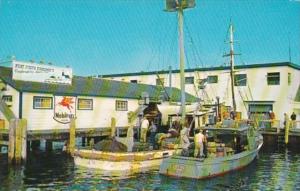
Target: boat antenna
(178,6)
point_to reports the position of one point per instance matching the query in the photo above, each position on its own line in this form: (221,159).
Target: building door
(260,112)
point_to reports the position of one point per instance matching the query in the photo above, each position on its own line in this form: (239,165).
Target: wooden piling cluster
(72,137)
(17,144)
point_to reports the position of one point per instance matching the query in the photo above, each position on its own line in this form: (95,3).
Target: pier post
(49,145)
(23,124)
(72,137)
(11,141)
(113,127)
(17,147)
(286,133)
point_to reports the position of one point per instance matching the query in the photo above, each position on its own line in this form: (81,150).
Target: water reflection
(276,169)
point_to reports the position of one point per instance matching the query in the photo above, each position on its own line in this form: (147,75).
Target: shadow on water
(277,168)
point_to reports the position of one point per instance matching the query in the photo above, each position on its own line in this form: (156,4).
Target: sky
(96,37)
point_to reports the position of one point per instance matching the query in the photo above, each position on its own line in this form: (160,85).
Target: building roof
(86,86)
(276,64)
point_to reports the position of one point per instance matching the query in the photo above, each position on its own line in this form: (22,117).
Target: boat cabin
(226,141)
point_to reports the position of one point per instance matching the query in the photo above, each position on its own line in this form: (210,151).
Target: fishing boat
(235,149)
(118,164)
(128,163)
(231,145)
(121,157)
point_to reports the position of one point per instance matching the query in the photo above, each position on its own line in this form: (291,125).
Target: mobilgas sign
(41,73)
(64,109)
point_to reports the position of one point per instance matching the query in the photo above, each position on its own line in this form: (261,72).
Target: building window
(273,78)
(240,79)
(85,104)
(134,81)
(212,79)
(121,105)
(7,98)
(189,80)
(42,102)
(160,81)
(289,78)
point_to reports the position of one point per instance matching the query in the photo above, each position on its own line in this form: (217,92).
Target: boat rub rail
(117,157)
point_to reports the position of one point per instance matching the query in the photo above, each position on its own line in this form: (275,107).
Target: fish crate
(141,146)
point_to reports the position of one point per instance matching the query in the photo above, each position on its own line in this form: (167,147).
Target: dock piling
(11,141)
(17,146)
(72,137)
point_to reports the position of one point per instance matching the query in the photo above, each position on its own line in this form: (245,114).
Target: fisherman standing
(144,129)
(199,139)
(184,140)
(153,130)
(272,117)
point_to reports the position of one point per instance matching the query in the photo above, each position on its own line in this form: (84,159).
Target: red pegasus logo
(66,102)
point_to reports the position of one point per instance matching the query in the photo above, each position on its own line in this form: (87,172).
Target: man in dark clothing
(293,118)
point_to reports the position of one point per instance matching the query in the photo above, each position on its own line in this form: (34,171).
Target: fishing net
(110,145)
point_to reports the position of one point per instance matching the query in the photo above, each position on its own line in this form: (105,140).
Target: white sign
(41,73)
(64,109)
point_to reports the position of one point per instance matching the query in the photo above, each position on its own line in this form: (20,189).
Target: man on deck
(199,139)
(184,140)
(144,129)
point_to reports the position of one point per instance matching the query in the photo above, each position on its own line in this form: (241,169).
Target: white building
(50,105)
(258,87)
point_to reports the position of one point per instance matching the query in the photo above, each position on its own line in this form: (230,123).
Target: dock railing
(295,124)
(277,124)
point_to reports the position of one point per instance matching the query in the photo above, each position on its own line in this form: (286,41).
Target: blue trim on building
(276,64)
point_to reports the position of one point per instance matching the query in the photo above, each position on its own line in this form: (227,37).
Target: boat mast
(232,66)
(181,58)
(179,6)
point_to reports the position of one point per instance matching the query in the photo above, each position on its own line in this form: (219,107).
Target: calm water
(275,169)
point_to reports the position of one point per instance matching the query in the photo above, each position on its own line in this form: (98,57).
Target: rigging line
(153,51)
(190,73)
(172,47)
(240,55)
(163,86)
(222,47)
(249,89)
(159,49)
(196,55)
(240,93)
(195,50)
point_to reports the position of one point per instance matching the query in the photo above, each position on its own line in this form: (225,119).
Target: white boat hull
(127,164)
(188,167)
